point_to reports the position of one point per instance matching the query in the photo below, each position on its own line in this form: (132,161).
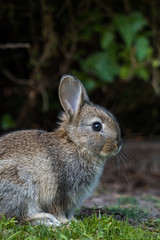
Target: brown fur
(44,176)
(11,173)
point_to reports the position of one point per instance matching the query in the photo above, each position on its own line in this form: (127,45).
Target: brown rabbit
(44,176)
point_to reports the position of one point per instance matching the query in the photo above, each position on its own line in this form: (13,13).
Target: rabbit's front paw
(44,218)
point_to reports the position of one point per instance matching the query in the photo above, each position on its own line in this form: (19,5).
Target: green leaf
(123,26)
(156,63)
(129,26)
(138,21)
(142,45)
(143,73)
(102,65)
(124,71)
(106,39)
(7,122)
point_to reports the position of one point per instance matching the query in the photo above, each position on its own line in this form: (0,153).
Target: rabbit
(45,176)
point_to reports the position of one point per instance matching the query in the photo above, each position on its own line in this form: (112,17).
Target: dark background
(113,47)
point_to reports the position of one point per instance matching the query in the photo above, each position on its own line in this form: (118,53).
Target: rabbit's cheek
(108,149)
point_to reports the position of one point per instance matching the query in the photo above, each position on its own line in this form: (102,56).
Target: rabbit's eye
(97,126)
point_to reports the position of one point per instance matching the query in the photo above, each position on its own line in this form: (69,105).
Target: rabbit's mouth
(111,148)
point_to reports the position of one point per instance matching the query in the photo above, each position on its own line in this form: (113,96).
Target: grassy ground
(123,220)
(92,227)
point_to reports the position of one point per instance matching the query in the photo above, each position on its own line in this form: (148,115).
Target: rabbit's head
(91,127)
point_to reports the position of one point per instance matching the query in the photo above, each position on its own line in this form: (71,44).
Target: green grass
(155,200)
(130,213)
(128,206)
(127,200)
(94,227)
(153,225)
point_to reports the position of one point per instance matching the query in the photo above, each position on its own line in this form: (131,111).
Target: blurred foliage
(7,122)
(125,50)
(112,48)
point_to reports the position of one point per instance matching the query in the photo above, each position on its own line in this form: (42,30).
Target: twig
(104,6)
(155,81)
(14,79)
(45,102)
(14,45)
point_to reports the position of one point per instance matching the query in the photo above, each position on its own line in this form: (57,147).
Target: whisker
(122,158)
(121,169)
(127,153)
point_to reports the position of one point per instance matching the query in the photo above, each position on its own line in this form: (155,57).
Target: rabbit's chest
(77,183)
(75,188)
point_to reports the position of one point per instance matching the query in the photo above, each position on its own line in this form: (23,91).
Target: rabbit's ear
(72,94)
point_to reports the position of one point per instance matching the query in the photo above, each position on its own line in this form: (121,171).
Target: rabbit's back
(20,143)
